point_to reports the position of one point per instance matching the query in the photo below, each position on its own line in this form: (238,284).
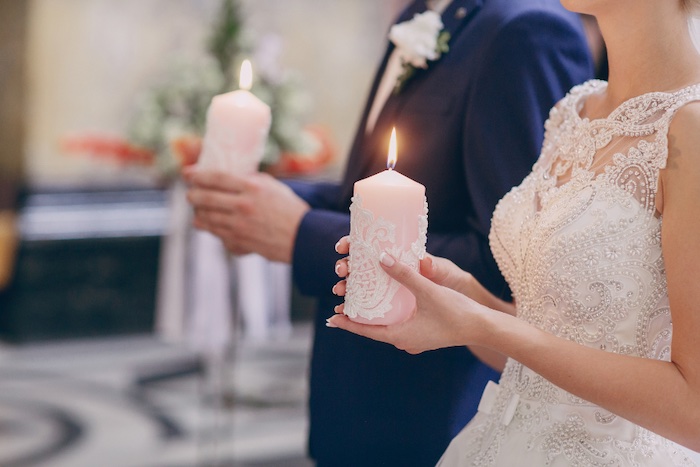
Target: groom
(471,126)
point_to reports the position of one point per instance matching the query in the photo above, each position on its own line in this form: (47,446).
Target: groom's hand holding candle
(252,214)
(249,211)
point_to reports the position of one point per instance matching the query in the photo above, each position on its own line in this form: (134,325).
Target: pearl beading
(579,242)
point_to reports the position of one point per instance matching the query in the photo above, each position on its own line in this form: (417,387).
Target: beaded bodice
(579,242)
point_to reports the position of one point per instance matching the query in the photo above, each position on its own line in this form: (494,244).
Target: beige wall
(88,60)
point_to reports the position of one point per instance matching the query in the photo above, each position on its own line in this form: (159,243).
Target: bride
(601,247)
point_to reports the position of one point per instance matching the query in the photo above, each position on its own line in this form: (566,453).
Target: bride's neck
(648,51)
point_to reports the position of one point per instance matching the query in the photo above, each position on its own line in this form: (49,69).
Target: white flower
(417,39)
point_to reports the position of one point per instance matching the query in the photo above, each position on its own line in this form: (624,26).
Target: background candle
(389,212)
(237,127)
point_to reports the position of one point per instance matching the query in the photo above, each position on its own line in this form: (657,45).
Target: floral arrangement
(418,40)
(170,118)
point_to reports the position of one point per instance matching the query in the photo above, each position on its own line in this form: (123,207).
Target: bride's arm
(443,272)
(661,396)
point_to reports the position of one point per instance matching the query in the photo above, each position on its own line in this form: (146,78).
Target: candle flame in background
(246,78)
(392,155)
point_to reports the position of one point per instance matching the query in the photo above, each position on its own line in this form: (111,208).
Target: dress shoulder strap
(680,99)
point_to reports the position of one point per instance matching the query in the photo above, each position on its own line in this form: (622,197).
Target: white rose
(416,39)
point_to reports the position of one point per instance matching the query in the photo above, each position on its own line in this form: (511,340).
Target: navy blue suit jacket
(471,127)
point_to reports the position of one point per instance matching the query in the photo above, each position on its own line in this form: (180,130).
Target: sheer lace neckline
(587,148)
(622,111)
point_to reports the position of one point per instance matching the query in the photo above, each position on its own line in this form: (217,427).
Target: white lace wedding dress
(579,242)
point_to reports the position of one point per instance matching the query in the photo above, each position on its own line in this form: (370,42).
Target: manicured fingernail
(334,289)
(337,247)
(386,259)
(337,269)
(329,324)
(336,308)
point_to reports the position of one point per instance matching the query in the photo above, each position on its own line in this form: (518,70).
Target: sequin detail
(579,242)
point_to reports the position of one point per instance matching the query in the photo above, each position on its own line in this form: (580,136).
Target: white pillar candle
(389,212)
(237,127)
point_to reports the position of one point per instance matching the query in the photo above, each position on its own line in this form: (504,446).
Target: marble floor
(138,402)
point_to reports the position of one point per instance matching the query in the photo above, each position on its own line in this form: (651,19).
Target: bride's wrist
(472,288)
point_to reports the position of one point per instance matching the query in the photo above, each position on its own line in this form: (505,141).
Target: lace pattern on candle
(370,290)
(220,150)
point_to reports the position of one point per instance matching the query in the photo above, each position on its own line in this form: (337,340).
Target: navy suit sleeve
(314,255)
(319,195)
(531,63)
(314,251)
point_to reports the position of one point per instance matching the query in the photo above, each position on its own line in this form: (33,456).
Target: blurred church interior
(105,355)
(102,102)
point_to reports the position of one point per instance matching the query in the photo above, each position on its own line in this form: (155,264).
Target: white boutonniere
(418,41)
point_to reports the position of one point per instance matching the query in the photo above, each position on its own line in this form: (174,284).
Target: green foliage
(178,104)
(224,43)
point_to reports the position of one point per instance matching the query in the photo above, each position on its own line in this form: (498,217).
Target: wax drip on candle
(245,81)
(392,155)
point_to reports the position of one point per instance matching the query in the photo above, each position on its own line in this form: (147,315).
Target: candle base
(402,306)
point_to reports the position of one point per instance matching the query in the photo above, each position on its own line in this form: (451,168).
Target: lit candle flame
(392,156)
(246,78)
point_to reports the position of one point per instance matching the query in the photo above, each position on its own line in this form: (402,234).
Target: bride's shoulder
(585,89)
(684,130)
(570,104)
(682,164)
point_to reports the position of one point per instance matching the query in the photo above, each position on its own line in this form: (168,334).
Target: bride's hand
(442,317)
(442,271)
(341,266)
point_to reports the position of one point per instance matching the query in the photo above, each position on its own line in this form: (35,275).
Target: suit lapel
(454,18)
(415,8)
(458,13)
(358,160)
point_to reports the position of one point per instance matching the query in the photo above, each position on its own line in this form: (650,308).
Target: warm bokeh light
(246,78)
(393,152)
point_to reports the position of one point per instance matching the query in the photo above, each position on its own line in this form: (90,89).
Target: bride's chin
(587,7)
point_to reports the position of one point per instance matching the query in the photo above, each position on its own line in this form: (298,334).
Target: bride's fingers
(427,267)
(340,288)
(377,333)
(343,245)
(342,268)
(404,274)
(340,309)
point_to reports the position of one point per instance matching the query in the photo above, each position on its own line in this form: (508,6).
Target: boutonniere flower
(418,41)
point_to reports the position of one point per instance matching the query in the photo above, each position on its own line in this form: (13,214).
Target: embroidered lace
(579,242)
(370,291)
